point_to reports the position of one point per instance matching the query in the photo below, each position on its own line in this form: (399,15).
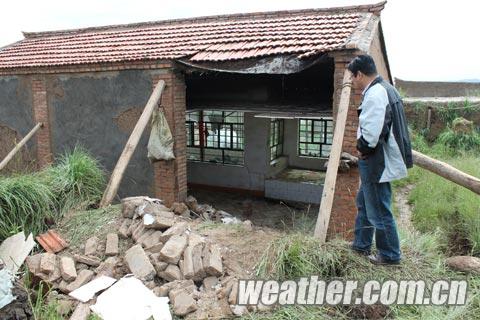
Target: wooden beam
(326,203)
(22,142)
(131,145)
(447,171)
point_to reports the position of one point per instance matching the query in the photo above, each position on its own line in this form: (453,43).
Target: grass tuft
(30,202)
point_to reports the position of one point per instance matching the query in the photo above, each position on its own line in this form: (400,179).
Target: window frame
(311,131)
(202,143)
(276,132)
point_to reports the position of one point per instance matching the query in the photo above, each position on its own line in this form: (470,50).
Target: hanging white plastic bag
(160,143)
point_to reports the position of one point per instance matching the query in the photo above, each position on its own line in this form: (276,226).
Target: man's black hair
(363,63)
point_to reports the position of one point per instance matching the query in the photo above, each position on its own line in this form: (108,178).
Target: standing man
(385,154)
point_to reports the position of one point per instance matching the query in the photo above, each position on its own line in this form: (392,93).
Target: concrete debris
(48,263)
(156,248)
(130,299)
(194,239)
(33,264)
(177,229)
(144,236)
(138,231)
(188,269)
(108,267)
(88,260)
(124,230)
(82,312)
(88,290)
(231,220)
(152,240)
(171,273)
(181,209)
(166,251)
(173,249)
(248,225)
(192,203)
(198,268)
(212,260)
(239,310)
(91,246)
(466,264)
(15,249)
(111,247)
(139,264)
(160,221)
(6,285)
(165,289)
(210,283)
(83,277)
(67,269)
(183,304)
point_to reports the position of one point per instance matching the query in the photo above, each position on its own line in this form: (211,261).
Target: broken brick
(111,247)
(83,277)
(67,269)
(173,249)
(177,229)
(48,262)
(91,246)
(139,264)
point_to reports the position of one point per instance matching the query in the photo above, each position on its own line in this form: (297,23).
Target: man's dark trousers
(375,217)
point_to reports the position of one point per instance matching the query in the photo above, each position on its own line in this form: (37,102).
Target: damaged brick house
(250,98)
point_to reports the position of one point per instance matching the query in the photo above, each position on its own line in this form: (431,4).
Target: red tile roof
(220,38)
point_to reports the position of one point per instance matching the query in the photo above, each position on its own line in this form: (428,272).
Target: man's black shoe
(379,260)
(360,252)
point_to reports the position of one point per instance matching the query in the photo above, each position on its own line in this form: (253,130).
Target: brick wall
(344,211)
(41,114)
(171,176)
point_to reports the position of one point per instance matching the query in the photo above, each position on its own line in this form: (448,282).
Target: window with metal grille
(215,136)
(315,137)
(275,140)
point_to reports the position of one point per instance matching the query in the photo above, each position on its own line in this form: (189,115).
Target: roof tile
(241,37)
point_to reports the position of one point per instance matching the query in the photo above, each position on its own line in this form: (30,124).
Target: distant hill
(469,80)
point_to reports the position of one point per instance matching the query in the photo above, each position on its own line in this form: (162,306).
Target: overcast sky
(426,39)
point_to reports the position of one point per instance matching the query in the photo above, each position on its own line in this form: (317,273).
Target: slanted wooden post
(326,203)
(446,171)
(131,145)
(22,142)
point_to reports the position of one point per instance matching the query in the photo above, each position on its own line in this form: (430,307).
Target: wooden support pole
(131,145)
(447,171)
(22,142)
(326,203)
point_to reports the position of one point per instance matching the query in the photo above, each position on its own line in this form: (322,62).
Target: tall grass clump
(454,210)
(29,202)
(460,141)
(297,255)
(77,180)
(25,203)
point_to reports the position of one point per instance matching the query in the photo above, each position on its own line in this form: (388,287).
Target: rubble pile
(163,252)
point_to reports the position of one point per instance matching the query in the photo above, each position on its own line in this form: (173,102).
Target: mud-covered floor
(261,211)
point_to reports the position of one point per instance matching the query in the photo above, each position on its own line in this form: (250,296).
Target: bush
(30,202)
(460,141)
(25,203)
(76,180)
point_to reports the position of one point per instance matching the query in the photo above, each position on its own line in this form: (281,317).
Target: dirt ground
(261,211)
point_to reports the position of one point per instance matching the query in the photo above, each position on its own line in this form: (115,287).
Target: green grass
(447,206)
(298,255)
(81,225)
(30,202)
(25,204)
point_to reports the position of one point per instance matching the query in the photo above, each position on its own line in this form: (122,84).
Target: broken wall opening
(263,119)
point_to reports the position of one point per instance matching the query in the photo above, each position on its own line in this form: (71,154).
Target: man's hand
(361,156)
